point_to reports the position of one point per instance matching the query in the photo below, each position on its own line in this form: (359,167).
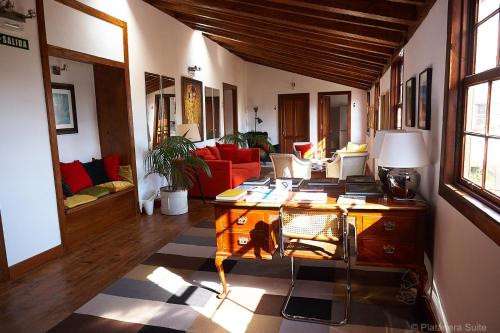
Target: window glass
(492,183)
(473,159)
(495,109)
(487,45)
(477,102)
(486,7)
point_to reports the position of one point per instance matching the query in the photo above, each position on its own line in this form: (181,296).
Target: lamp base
(382,175)
(403,183)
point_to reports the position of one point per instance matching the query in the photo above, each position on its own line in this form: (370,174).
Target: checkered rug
(175,291)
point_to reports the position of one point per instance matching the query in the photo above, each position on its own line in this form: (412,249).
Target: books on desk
(257,181)
(310,197)
(359,179)
(232,195)
(326,182)
(268,196)
(296,182)
(366,189)
(351,200)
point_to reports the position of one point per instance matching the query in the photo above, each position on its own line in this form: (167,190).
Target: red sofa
(226,173)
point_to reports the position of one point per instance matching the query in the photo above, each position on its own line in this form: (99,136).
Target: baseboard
(23,267)
(437,309)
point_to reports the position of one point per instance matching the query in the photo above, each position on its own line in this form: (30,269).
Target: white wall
(466,263)
(84,145)
(264,85)
(27,192)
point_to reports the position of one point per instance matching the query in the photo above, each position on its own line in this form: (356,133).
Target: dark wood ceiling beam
(301,65)
(362,77)
(381,36)
(222,21)
(248,48)
(375,9)
(363,60)
(410,2)
(309,73)
(315,13)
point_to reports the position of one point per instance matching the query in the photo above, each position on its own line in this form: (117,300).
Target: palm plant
(173,160)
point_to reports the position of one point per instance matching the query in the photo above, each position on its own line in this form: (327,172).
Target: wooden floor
(41,299)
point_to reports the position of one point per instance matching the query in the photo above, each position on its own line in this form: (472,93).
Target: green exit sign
(14,41)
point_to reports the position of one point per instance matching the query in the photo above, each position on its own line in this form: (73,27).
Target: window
(470,162)
(396,120)
(480,167)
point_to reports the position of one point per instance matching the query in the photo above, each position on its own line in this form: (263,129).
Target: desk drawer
(247,243)
(244,221)
(388,227)
(380,251)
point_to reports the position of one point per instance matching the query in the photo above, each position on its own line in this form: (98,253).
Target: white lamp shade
(403,150)
(376,147)
(189,131)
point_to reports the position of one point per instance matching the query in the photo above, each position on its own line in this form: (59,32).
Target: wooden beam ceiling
(343,41)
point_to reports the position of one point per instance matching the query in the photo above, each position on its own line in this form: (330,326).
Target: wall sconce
(192,70)
(12,20)
(292,85)
(56,70)
(256,119)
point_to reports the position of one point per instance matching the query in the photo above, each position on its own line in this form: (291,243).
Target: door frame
(280,117)
(349,109)
(227,86)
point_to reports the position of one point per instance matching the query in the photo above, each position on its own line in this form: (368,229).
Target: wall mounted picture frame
(63,98)
(192,103)
(410,90)
(424,99)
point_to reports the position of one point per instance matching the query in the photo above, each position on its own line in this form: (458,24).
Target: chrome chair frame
(346,258)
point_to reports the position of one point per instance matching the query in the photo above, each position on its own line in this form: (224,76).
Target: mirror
(160,108)
(212,111)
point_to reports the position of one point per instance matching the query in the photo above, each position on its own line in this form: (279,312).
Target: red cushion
(227,151)
(215,152)
(75,176)
(303,149)
(243,156)
(111,165)
(204,153)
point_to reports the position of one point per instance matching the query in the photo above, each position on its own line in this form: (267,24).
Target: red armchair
(226,174)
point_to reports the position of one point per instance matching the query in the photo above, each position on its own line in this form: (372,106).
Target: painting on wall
(63,97)
(410,102)
(192,99)
(424,99)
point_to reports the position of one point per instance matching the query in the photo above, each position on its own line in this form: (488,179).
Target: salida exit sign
(14,41)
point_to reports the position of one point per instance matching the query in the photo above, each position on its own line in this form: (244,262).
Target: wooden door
(230,106)
(328,135)
(293,120)
(323,124)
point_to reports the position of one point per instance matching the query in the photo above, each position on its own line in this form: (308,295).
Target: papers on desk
(310,197)
(268,196)
(351,200)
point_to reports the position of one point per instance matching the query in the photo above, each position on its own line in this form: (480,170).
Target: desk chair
(315,234)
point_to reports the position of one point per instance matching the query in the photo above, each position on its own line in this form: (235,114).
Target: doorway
(230,105)
(334,121)
(293,120)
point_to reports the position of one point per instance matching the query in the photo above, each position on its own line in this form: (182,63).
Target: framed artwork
(63,97)
(424,99)
(411,87)
(192,99)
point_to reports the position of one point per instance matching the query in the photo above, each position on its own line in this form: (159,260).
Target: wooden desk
(388,233)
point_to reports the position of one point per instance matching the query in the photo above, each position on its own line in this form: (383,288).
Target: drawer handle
(389,249)
(389,225)
(242,241)
(242,220)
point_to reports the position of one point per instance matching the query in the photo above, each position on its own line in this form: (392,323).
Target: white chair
(297,152)
(346,164)
(290,166)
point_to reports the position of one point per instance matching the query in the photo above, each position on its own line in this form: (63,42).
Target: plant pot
(174,202)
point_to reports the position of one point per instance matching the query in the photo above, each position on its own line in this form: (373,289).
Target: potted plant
(173,160)
(251,140)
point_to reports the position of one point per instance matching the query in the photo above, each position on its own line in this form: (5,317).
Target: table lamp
(189,131)
(403,151)
(375,153)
